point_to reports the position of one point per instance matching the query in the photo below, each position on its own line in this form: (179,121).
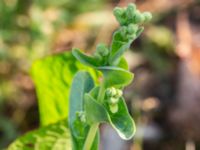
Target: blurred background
(164,98)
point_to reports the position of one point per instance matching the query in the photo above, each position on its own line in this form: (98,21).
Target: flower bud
(132,28)
(118,12)
(97,56)
(81,116)
(102,50)
(111,92)
(113,95)
(130,11)
(113,100)
(119,93)
(123,31)
(139,18)
(147,16)
(113,108)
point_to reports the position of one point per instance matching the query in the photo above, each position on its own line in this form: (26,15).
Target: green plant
(91,101)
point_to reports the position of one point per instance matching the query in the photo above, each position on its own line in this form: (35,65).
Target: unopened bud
(81,116)
(114,93)
(119,93)
(113,108)
(139,18)
(130,11)
(132,28)
(97,56)
(147,16)
(102,50)
(123,31)
(113,100)
(110,92)
(118,12)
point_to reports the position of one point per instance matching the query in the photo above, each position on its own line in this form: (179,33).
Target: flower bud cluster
(101,52)
(131,15)
(112,96)
(129,32)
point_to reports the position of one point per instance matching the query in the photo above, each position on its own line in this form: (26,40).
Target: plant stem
(101,93)
(93,129)
(91,136)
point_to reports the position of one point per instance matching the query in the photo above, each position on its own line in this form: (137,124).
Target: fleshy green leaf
(82,83)
(95,112)
(52,137)
(115,76)
(53,76)
(85,59)
(121,121)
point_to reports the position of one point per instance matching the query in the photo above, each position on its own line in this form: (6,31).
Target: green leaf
(123,63)
(52,137)
(121,41)
(115,76)
(53,76)
(82,83)
(95,112)
(85,59)
(121,121)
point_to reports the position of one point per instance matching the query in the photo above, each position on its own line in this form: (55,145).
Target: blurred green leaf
(52,76)
(115,76)
(95,112)
(82,83)
(55,137)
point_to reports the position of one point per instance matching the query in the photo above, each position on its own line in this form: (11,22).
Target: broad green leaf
(95,112)
(52,76)
(121,121)
(52,137)
(82,83)
(85,59)
(115,76)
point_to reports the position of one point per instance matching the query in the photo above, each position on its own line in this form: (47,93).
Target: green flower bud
(131,6)
(81,116)
(102,50)
(113,108)
(119,93)
(118,12)
(120,15)
(139,18)
(130,11)
(113,100)
(97,56)
(123,31)
(132,28)
(147,16)
(111,92)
